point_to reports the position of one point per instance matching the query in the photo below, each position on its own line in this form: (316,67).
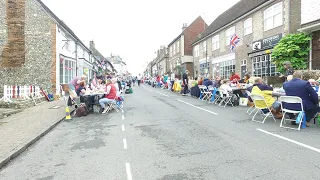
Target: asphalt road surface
(161,135)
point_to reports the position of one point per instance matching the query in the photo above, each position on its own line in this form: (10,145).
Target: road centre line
(198,107)
(129,175)
(122,117)
(125,143)
(122,111)
(123,128)
(162,94)
(290,140)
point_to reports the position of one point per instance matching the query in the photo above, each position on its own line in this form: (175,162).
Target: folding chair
(219,96)
(252,108)
(213,92)
(204,92)
(226,98)
(112,105)
(292,100)
(259,108)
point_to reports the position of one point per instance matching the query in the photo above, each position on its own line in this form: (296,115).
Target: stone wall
(32,63)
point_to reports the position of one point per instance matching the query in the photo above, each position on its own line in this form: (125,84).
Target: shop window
(263,66)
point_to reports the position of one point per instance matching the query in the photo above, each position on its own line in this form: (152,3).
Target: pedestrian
(185,82)
(289,70)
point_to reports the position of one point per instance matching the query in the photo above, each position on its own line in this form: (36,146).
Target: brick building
(37,48)
(180,49)
(259,24)
(310,23)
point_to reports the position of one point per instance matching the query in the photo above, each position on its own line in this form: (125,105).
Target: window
(247,26)
(224,69)
(196,51)
(229,33)
(215,42)
(263,66)
(273,16)
(204,44)
(170,51)
(67,70)
(178,46)
(203,67)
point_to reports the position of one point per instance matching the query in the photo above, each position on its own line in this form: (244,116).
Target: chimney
(184,26)
(92,45)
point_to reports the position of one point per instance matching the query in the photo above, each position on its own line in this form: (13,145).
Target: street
(161,135)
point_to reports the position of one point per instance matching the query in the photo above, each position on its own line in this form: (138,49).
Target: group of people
(111,87)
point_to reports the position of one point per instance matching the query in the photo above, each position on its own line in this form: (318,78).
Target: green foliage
(293,48)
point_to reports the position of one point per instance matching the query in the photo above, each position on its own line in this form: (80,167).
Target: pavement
(161,135)
(19,131)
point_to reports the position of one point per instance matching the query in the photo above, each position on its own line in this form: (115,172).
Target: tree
(293,48)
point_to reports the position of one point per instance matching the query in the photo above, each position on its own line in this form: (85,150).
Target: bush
(310,74)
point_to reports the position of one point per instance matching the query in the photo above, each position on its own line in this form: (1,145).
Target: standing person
(139,79)
(289,70)
(185,82)
(110,93)
(173,77)
(75,82)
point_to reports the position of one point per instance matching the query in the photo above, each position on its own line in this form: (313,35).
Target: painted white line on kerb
(198,107)
(129,175)
(125,144)
(122,117)
(123,128)
(290,140)
(162,94)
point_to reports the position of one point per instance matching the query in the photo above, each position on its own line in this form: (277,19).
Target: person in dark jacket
(207,82)
(185,82)
(305,92)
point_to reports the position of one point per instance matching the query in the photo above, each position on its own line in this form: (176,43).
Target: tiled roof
(236,11)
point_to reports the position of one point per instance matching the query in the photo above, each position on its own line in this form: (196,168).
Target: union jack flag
(234,41)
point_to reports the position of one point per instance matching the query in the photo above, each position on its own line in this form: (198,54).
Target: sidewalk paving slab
(21,130)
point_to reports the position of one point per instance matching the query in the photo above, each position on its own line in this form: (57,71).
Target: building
(260,24)
(180,49)
(119,65)
(37,48)
(310,23)
(101,65)
(161,61)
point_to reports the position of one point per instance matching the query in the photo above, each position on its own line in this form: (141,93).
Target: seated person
(246,78)
(81,89)
(207,82)
(234,77)
(266,91)
(110,94)
(195,82)
(306,93)
(226,87)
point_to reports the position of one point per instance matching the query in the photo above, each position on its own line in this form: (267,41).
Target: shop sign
(266,43)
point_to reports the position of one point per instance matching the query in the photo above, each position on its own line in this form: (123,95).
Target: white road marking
(198,107)
(129,175)
(290,140)
(122,117)
(122,111)
(123,128)
(162,94)
(125,143)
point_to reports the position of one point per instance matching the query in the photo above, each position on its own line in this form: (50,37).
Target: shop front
(262,65)
(223,66)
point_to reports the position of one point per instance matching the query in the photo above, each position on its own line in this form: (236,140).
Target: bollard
(68,116)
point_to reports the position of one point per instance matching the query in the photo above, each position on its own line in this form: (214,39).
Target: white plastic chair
(291,100)
(205,92)
(225,96)
(252,108)
(260,99)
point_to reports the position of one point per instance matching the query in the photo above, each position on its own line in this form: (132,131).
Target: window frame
(229,33)
(270,15)
(246,26)
(215,42)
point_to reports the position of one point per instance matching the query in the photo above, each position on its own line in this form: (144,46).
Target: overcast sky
(133,29)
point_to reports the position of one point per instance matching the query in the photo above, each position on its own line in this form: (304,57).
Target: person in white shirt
(227,88)
(139,79)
